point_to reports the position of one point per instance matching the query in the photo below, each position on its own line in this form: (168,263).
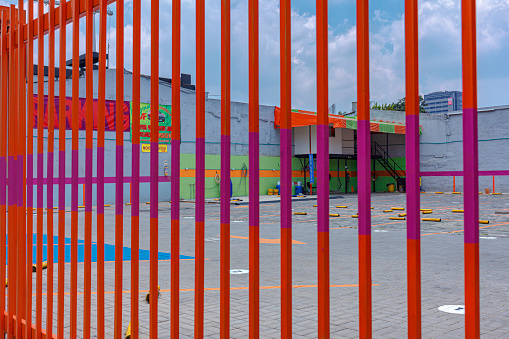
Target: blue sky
(439,44)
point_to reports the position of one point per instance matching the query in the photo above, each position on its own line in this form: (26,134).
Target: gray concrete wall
(269,137)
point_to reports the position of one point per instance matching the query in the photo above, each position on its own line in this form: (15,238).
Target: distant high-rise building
(443,102)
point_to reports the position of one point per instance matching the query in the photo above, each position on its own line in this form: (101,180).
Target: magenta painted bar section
(286,177)
(61,179)
(19,179)
(40,174)
(135,189)
(175,179)
(200,180)
(89,153)
(225,179)
(49,191)
(119,187)
(254,179)
(470,177)
(3,180)
(30,180)
(10,173)
(322,159)
(100,180)
(74,181)
(413,195)
(106,180)
(154,187)
(364,176)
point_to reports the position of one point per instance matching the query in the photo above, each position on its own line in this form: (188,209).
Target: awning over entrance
(306,118)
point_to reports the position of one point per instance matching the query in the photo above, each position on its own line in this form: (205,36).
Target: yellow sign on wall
(145,148)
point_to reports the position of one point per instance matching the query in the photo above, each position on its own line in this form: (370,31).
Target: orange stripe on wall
(191,173)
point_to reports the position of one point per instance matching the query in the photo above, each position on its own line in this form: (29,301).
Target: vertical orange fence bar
(50,164)
(254,172)
(135,182)
(61,169)
(119,163)
(199,275)
(21,169)
(175,170)
(74,166)
(87,202)
(3,161)
(225,171)
(40,165)
(412,170)
(286,168)
(470,170)
(322,134)
(364,169)
(154,158)
(100,168)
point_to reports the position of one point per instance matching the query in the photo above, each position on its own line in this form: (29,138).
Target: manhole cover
(455,309)
(239,271)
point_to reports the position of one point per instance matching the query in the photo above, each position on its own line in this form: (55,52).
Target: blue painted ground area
(109,251)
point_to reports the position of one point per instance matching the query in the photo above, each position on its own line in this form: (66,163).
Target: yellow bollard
(484,221)
(431,219)
(44,266)
(387,211)
(402,215)
(341,206)
(425,209)
(397,218)
(427,212)
(457,211)
(397,208)
(315,205)
(355,216)
(300,213)
(456,192)
(128,332)
(333,215)
(439,192)
(147,298)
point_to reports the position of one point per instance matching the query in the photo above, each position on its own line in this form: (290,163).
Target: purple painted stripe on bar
(470,177)
(135,188)
(364,176)
(119,187)
(286,177)
(225,179)
(106,180)
(175,182)
(254,179)
(413,195)
(89,154)
(3,180)
(460,173)
(30,180)
(61,180)
(322,159)
(40,174)
(49,192)
(19,180)
(10,170)
(200,180)
(154,187)
(74,180)
(100,180)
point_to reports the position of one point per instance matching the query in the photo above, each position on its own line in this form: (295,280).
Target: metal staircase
(380,155)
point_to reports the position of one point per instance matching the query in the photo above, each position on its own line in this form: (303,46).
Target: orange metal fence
(21,27)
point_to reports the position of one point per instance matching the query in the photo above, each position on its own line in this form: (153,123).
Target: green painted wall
(241,185)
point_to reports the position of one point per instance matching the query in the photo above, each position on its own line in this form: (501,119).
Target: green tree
(400,105)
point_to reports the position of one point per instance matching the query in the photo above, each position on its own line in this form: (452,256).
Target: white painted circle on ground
(188,217)
(237,271)
(381,231)
(237,221)
(455,309)
(489,238)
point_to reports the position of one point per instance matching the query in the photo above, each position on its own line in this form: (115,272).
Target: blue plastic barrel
(298,190)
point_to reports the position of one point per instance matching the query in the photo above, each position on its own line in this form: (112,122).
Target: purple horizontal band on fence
(322,142)
(10,169)
(107,180)
(19,169)
(200,175)
(30,175)
(460,173)
(89,153)
(471,176)
(254,179)
(51,157)
(175,184)
(154,192)
(364,175)
(225,179)
(412,177)
(135,189)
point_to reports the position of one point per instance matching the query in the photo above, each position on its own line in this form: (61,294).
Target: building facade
(443,102)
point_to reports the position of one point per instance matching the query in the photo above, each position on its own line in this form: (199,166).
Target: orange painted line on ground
(218,289)
(269,241)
